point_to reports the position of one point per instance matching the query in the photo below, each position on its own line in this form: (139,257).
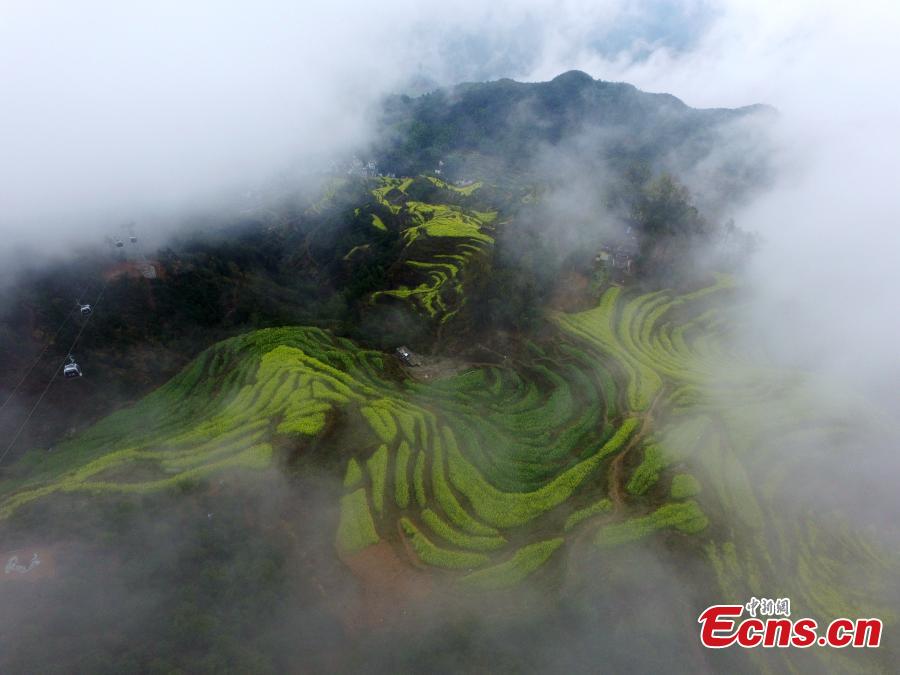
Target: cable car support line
(52,377)
(39,356)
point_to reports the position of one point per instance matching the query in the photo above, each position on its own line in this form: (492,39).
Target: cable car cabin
(132,239)
(119,243)
(86,310)
(71,369)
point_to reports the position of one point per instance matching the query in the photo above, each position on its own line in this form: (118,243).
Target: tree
(664,208)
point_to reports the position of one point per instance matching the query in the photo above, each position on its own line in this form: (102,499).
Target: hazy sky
(119,111)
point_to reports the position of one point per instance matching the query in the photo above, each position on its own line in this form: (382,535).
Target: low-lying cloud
(147,111)
(826,278)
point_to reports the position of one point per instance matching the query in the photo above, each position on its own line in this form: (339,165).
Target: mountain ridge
(491,128)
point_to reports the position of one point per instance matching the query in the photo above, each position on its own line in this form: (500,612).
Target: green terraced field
(441,241)
(736,425)
(489,475)
(466,190)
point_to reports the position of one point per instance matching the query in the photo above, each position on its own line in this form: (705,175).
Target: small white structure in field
(407,357)
(13,566)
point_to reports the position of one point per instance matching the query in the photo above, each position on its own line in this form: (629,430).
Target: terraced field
(441,243)
(635,421)
(430,471)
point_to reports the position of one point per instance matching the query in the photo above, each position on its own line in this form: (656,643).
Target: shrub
(684,485)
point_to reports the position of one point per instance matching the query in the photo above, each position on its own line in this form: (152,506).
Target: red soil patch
(135,269)
(388,587)
(571,292)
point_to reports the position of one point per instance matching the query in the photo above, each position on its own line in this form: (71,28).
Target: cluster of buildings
(363,169)
(369,169)
(620,255)
(461,183)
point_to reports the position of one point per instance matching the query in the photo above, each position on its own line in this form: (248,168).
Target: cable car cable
(30,413)
(52,378)
(41,355)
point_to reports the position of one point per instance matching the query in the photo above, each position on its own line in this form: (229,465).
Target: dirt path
(616,477)
(438,367)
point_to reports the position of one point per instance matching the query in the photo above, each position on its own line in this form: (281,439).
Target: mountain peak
(573,77)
